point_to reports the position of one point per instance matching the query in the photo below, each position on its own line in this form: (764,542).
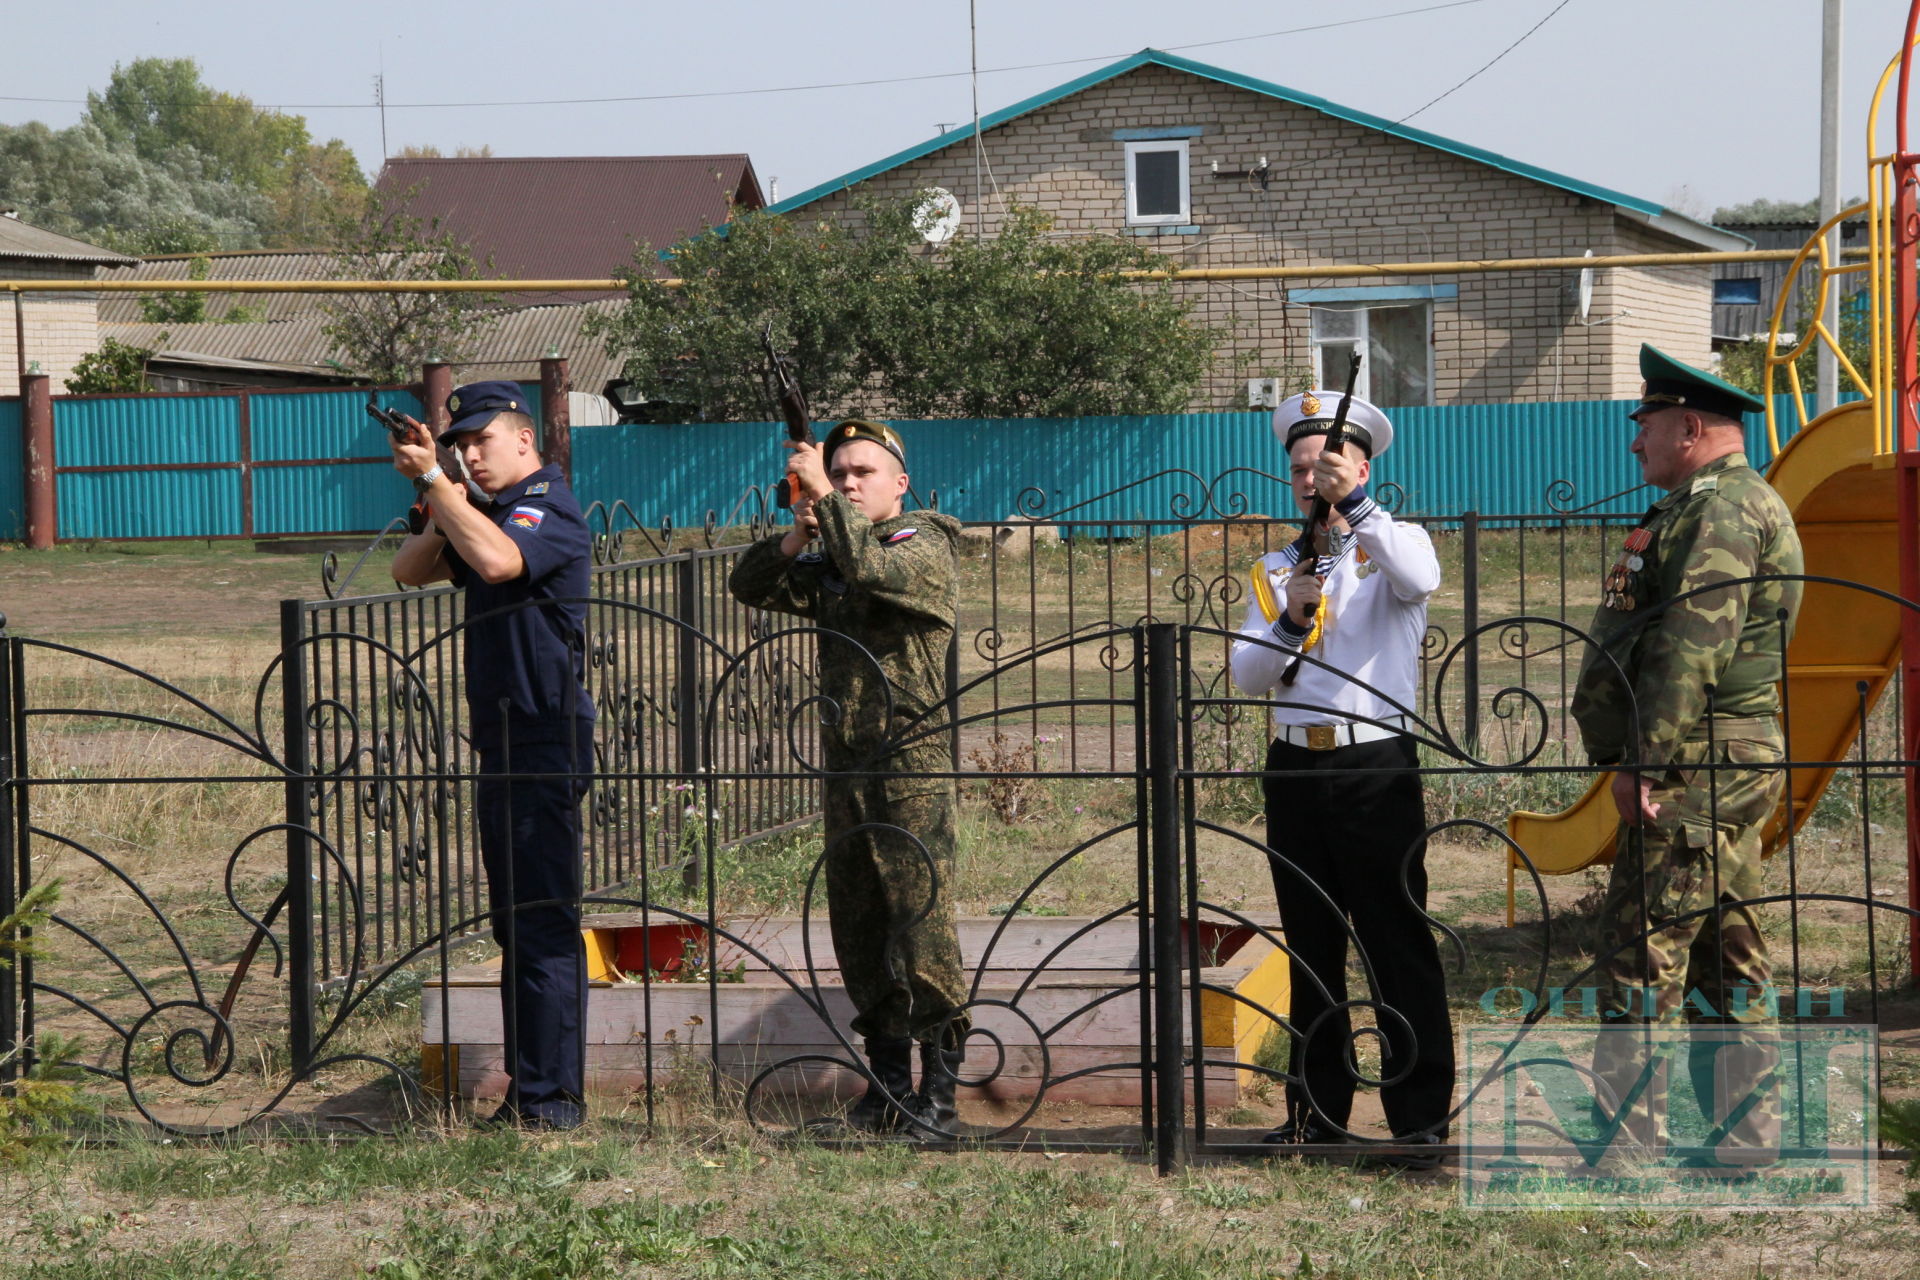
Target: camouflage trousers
(1674,950)
(890,905)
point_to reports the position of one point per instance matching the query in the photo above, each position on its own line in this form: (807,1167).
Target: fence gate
(270,905)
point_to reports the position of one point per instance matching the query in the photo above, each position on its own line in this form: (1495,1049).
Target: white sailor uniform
(1345,810)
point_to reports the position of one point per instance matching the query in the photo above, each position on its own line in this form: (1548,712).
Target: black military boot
(891,1062)
(933,1105)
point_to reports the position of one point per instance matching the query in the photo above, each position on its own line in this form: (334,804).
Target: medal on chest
(1622,588)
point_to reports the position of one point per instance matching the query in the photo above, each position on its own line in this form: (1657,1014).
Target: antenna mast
(380,100)
(979,193)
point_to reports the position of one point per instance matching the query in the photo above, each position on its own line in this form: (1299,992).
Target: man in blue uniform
(529,718)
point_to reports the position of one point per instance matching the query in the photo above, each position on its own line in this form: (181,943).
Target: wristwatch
(422,483)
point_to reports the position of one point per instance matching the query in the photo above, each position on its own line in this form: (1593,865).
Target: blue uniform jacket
(534,658)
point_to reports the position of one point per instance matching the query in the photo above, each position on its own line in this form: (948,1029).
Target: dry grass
(724,1203)
(175,839)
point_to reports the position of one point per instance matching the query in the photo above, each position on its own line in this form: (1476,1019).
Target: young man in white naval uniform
(1345,809)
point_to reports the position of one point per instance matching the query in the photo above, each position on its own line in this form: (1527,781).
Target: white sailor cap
(1311,414)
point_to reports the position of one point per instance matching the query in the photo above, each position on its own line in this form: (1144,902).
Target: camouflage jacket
(889,588)
(1724,522)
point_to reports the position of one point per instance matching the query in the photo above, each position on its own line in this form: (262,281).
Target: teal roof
(1154,57)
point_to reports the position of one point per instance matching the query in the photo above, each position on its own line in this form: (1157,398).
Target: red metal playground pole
(1906,309)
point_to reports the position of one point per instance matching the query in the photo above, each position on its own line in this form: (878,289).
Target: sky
(1693,103)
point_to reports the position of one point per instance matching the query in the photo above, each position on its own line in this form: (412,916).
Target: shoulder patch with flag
(900,535)
(527,517)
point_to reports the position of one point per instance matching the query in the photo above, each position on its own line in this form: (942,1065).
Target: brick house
(1219,169)
(59,327)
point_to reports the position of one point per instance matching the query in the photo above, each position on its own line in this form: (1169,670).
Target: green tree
(700,345)
(427,151)
(873,319)
(157,106)
(319,190)
(178,308)
(79,183)
(1745,363)
(1765,210)
(163,164)
(386,337)
(1027,325)
(116,366)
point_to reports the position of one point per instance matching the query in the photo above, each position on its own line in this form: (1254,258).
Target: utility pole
(1828,380)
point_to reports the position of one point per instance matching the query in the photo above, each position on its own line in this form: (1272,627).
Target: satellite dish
(1583,295)
(938,216)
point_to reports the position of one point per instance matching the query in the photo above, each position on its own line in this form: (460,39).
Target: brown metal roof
(24,240)
(511,347)
(573,217)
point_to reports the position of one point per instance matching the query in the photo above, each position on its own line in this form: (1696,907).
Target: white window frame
(1185,214)
(1363,386)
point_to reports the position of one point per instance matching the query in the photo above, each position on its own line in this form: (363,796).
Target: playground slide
(1843,503)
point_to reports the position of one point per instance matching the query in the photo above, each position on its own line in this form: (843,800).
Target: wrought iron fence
(658,635)
(327,829)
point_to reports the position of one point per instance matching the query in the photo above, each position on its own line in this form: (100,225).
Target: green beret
(1670,383)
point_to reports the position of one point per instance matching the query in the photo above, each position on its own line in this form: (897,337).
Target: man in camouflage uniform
(1693,729)
(860,566)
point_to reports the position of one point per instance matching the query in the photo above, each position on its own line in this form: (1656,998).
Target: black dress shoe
(1311,1130)
(1414,1159)
(552,1120)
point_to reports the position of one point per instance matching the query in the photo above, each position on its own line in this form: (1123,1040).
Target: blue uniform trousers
(530,844)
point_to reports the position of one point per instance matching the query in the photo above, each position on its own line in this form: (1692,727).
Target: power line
(805,88)
(1496,57)
(1475,75)
(1273,215)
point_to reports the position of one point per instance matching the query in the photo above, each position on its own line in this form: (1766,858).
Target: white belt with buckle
(1326,737)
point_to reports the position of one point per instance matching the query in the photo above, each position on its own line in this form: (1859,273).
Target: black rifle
(398,427)
(793,407)
(389,418)
(1320,509)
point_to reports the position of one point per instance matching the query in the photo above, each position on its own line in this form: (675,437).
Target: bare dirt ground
(75,594)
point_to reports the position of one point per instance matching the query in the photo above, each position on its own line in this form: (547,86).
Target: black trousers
(1350,834)
(530,844)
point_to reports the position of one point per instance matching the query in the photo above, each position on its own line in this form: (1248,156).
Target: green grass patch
(721,1203)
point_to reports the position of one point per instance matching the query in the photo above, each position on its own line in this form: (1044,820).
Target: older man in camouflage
(1681,696)
(864,568)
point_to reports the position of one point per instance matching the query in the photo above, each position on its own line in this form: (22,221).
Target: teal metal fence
(1504,458)
(13,492)
(266,463)
(233,464)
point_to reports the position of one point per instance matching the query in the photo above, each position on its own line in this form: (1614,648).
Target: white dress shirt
(1376,621)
